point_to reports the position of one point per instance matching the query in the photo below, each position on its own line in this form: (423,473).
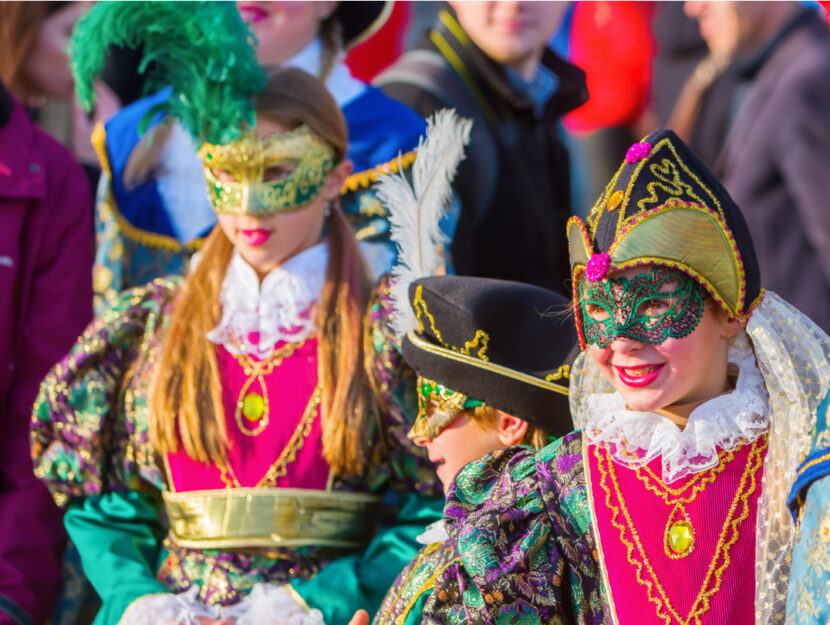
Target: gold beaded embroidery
(674,497)
(256,370)
(720,560)
(288,454)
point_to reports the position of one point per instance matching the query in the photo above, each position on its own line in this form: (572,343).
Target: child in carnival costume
(493,360)
(214,439)
(693,399)
(151,215)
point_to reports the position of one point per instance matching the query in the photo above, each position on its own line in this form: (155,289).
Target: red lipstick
(255,236)
(639,376)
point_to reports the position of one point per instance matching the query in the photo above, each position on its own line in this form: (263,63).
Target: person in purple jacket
(46,252)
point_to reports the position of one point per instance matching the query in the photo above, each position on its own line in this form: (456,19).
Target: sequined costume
(91,447)
(530,558)
(687,525)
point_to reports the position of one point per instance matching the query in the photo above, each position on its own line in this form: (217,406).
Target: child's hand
(361,617)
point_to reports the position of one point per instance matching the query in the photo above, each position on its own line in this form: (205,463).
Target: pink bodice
(714,580)
(289,387)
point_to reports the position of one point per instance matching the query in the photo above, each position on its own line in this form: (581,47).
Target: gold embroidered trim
(425,345)
(427,585)
(99,144)
(366,178)
(288,454)
(562,372)
(256,370)
(481,338)
(701,603)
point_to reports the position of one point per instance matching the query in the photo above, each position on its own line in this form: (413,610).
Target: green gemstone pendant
(679,537)
(253,407)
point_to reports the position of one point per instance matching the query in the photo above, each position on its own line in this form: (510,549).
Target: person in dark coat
(45,302)
(776,161)
(491,63)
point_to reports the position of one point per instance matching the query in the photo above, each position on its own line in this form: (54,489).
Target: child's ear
(729,325)
(511,429)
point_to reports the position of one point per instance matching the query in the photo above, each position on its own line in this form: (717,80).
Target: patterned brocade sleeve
(497,521)
(513,530)
(89,426)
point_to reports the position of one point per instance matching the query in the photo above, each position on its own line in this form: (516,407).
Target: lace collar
(340,83)
(722,423)
(255,317)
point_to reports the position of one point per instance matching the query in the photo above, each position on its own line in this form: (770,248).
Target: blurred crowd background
(747,84)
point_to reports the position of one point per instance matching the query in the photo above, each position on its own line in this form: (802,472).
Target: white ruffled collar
(255,317)
(722,423)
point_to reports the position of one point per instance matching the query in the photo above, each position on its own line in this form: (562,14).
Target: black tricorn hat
(507,344)
(360,20)
(663,206)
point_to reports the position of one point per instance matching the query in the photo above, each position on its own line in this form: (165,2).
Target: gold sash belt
(270,517)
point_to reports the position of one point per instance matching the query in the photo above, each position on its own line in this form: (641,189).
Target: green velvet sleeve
(360,581)
(118,536)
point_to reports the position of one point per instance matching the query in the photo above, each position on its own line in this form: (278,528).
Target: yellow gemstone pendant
(679,537)
(253,407)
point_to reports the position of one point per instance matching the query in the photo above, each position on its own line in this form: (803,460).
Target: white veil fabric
(792,355)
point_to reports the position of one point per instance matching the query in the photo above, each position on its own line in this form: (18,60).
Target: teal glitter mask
(650,307)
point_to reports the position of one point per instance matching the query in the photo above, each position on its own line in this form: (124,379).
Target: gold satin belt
(237,518)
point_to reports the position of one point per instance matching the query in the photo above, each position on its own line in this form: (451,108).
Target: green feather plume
(202,49)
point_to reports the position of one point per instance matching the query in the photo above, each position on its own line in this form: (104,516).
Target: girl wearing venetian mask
(150,217)
(692,399)
(214,440)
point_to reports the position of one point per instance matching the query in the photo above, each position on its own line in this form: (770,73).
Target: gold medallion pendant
(253,410)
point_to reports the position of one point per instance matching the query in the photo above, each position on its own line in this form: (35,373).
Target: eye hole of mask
(279,171)
(224,175)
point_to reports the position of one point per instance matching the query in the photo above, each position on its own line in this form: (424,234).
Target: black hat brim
(532,399)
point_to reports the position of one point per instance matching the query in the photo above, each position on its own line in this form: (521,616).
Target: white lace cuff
(167,609)
(273,605)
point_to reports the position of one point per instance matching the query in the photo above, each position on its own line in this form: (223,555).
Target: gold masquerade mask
(279,174)
(446,404)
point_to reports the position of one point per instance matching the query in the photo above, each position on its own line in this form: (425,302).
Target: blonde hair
(186,392)
(485,417)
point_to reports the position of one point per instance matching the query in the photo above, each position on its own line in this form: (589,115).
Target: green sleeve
(360,581)
(119,538)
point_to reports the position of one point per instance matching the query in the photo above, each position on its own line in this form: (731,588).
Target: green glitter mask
(438,407)
(236,173)
(650,307)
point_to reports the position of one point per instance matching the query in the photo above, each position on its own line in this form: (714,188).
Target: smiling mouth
(638,376)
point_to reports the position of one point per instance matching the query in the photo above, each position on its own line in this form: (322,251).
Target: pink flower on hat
(598,267)
(637,152)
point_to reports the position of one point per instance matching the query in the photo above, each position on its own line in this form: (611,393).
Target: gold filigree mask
(438,407)
(279,174)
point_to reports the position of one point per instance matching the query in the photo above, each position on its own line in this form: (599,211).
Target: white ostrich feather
(415,211)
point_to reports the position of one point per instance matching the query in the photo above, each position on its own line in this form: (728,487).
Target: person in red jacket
(46,249)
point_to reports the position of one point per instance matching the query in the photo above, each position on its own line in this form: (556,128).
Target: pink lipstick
(252,14)
(639,376)
(255,236)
